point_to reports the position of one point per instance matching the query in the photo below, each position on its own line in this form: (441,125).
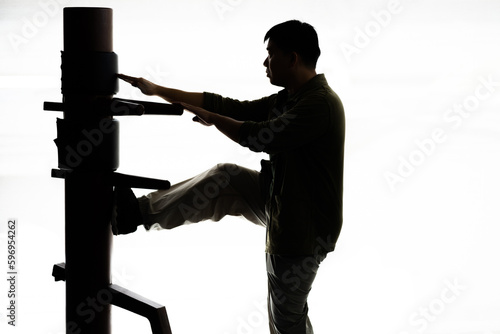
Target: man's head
(292,46)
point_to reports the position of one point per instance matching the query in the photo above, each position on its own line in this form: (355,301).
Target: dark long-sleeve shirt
(304,137)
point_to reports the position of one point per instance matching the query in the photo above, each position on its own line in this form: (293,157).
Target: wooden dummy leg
(154,312)
(127,300)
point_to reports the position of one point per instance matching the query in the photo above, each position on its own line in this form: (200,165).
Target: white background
(399,68)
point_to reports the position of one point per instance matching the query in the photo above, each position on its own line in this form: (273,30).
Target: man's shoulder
(321,95)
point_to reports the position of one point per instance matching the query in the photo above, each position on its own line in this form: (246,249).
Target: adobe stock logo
(454,117)
(93,139)
(430,312)
(31,27)
(224,6)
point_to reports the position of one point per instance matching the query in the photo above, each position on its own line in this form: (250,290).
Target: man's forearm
(228,126)
(175,95)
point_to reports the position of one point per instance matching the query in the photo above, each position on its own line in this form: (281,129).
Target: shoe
(126,214)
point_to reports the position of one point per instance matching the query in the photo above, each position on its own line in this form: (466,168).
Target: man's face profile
(276,64)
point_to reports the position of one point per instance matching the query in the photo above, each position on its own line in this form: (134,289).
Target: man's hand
(228,126)
(146,87)
(202,116)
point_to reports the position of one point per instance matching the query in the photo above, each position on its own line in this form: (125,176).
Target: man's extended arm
(169,94)
(192,102)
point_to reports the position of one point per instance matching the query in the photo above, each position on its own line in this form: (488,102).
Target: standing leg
(290,279)
(226,189)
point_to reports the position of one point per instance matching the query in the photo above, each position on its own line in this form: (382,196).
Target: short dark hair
(296,36)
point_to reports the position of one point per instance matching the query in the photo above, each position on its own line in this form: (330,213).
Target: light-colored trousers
(229,189)
(225,189)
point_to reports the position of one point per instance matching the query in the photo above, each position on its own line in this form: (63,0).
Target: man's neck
(300,80)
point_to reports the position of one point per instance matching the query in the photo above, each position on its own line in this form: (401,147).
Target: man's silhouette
(297,195)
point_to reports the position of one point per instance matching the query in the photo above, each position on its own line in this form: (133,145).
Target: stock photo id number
(11,273)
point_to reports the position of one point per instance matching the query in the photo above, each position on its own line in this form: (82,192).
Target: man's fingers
(190,107)
(128,79)
(199,120)
(125,77)
(201,115)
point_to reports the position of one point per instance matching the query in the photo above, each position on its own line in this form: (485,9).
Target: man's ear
(294,58)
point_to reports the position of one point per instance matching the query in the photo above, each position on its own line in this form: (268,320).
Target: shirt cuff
(208,101)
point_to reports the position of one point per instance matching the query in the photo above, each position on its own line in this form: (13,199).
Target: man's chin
(273,82)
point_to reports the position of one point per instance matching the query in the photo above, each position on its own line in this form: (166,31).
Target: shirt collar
(317,81)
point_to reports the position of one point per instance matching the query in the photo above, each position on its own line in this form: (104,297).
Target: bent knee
(240,178)
(229,168)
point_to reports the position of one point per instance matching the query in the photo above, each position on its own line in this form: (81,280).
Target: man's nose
(265,62)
